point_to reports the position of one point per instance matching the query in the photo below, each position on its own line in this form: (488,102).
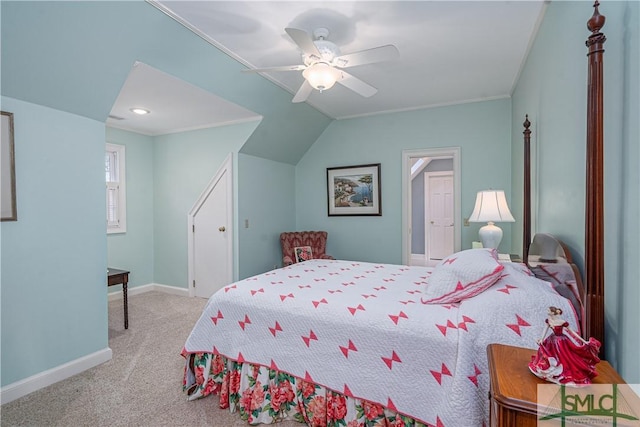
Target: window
(114,167)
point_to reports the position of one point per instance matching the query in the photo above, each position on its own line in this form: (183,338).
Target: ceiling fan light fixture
(323,64)
(321,76)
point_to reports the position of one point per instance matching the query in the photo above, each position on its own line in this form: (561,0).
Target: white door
(211,237)
(439,216)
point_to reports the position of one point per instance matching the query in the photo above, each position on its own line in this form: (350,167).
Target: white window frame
(119,224)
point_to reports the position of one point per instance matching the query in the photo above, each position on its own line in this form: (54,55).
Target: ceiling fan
(323,63)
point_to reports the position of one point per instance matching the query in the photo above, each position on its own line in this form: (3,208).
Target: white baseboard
(421,260)
(43,379)
(174,290)
(418,259)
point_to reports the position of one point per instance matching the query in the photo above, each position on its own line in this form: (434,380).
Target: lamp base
(490,235)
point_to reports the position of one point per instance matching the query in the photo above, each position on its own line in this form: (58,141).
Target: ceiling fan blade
(356,85)
(304,41)
(368,56)
(281,68)
(303,93)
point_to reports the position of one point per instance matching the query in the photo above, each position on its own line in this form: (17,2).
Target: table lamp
(491,206)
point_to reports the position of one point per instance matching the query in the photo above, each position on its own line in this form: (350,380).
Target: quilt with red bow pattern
(360,329)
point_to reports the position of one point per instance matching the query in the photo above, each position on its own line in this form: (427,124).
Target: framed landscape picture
(8,211)
(354,190)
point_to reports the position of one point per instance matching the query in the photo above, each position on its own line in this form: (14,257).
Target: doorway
(418,244)
(210,242)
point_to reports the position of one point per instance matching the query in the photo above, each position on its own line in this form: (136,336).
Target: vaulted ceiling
(451,52)
(85,58)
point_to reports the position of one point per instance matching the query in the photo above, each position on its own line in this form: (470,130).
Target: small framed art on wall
(354,190)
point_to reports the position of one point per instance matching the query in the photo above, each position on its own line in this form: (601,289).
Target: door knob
(221,228)
(431,222)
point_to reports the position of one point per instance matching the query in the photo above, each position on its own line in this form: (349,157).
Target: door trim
(407,155)
(226,167)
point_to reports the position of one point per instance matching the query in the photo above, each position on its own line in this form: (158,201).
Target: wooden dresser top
(514,386)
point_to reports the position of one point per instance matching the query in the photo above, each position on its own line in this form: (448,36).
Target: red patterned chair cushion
(317,240)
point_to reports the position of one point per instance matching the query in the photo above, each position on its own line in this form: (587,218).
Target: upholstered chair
(316,240)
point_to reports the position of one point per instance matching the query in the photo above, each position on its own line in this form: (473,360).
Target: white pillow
(462,275)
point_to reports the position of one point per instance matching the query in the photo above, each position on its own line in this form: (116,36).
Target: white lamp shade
(491,206)
(321,76)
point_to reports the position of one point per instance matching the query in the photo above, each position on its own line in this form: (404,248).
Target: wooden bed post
(526,210)
(594,212)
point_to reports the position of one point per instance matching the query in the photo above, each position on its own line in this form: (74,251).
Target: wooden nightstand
(512,395)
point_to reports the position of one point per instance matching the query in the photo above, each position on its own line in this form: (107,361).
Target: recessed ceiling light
(140,111)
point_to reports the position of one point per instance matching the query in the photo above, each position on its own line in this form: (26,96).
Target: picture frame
(8,211)
(354,190)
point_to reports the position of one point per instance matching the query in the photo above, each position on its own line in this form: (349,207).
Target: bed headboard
(593,321)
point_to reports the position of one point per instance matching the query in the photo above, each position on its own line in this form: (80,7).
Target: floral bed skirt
(263,396)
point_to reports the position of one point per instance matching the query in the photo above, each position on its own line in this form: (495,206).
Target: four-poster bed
(331,342)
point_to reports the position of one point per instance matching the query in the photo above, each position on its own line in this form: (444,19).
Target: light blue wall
(53,288)
(482,130)
(165,176)
(267,201)
(625,261)
(133,250)
(177,168)
(552,90)
(183,166)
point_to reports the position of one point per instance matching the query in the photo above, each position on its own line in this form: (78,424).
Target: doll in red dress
(563,357)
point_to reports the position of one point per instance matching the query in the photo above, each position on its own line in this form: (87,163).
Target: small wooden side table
(116,277)
(513,390)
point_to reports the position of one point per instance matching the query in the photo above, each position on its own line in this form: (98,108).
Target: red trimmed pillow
(462,275)
(302,253)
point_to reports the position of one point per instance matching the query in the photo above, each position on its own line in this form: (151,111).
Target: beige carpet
(140,386)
